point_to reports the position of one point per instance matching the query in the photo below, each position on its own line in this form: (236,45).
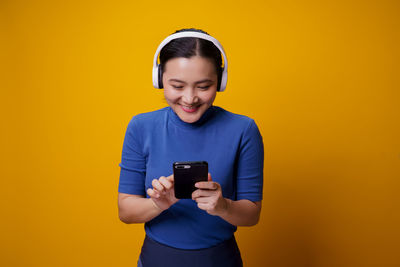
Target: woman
(197,231)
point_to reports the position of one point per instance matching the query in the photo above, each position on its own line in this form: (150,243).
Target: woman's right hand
(162,193)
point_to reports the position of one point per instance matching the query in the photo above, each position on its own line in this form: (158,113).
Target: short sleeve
(250,170)
(133,163)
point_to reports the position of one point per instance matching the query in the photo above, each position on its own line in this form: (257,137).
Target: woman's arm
(138,209)
(242,212)
(239,213)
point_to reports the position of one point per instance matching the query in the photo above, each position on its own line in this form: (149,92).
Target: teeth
(186,107)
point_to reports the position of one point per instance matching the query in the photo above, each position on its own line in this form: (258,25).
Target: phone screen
(186,174)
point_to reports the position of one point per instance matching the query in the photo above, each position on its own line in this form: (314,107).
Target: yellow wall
(321,79)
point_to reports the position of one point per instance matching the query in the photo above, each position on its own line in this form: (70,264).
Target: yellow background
(321,79)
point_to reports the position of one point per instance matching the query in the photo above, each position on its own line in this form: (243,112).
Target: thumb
(209,177)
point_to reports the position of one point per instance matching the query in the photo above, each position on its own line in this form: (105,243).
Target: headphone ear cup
(160,84)
(220,78)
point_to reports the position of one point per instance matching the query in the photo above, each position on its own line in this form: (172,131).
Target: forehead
(195,65)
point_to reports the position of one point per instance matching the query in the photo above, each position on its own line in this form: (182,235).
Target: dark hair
(192,46)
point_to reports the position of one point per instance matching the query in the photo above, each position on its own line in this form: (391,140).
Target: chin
(189,119)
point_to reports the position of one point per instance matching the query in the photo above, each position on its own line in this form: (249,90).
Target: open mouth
(190,109)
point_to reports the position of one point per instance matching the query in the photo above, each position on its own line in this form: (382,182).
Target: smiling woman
(190,86)
(180,232)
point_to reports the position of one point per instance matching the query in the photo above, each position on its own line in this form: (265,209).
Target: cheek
(208,96)
(170,96)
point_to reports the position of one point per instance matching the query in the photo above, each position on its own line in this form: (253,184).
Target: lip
(189,109)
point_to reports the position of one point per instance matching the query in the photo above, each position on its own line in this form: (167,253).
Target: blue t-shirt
(230,143)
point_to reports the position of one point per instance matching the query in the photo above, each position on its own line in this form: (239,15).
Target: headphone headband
(156,67)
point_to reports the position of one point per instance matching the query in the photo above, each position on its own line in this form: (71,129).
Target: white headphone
(157,73)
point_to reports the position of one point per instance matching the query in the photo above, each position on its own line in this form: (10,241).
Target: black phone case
(186,174)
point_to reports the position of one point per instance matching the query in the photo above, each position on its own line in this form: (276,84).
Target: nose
(189,96)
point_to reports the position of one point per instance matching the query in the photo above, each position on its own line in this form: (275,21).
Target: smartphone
(186,174)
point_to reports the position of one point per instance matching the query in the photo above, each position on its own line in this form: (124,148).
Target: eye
(177,87)
(204,87)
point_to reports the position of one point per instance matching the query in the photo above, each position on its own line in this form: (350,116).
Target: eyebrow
(201,81)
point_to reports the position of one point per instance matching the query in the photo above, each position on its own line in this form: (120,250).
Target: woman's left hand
(209,197)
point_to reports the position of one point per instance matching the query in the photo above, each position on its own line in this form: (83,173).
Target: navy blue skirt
(225,254)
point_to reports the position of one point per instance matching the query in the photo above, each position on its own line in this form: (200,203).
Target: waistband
(225,254)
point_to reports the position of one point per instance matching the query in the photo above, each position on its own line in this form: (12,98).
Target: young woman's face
(190,86)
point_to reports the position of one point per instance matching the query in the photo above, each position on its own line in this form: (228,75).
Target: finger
(157,185)
(152,193)
(165,182)
(204,199)
(207,185)
(202,193)
(149,191)
(203,206)
(170,178)
(209,177)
